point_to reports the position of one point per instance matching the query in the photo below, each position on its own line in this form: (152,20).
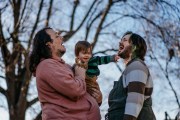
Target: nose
(86,54)
(120,43)
(61,37)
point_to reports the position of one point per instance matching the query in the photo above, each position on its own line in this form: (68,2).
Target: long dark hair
(138,45)
(39,49)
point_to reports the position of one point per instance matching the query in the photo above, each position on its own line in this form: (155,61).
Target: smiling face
(125,47)
(84,56)
(56,46)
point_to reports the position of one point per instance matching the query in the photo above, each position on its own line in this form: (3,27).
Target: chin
(119,54)
(82,61)
(122,55)
(61,53)
(85,61)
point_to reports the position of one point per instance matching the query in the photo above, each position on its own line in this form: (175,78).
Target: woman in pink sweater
(61,92)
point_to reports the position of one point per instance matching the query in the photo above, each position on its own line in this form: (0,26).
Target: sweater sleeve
(136,79)
(60,77)
(103,59)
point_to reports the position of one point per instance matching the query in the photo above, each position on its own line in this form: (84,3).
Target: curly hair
(138,44)
(39,49)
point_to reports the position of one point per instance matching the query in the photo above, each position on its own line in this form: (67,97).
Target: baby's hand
(80,64)
(79,71)
(116,57)
(78,61)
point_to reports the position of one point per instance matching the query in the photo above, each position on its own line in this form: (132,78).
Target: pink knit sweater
(63,95)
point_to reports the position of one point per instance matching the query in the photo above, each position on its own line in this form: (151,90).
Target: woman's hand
(79,71)
(97,95)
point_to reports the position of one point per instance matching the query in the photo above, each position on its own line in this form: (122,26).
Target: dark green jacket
(93,63)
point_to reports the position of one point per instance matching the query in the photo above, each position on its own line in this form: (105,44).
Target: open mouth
(121,47)
(85,59)
(62,43)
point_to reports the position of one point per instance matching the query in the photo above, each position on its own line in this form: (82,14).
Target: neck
(54,56)
(126,60)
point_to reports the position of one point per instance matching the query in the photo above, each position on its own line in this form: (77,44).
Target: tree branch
(2,77)
(71,33)
(171,6)
(38,117)
(104,51)
(90,24)
(151,22)
(19,21)
(90,21)
(110,23)
(3,91)
(101,23)
(93,11)
(49,13)
(87,14)
(35,25)
(167,78)
(32,102)
(4,50)
(76,3)
(16,12)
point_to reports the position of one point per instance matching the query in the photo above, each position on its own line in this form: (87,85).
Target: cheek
(129,48)
(80,56)
(53,46)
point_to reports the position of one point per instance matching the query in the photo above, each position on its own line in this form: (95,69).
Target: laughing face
(56,45)
(125,47)
(84,56)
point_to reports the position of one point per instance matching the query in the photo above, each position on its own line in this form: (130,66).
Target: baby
(83,53)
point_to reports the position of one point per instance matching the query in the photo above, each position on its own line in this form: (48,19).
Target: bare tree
(19,37)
